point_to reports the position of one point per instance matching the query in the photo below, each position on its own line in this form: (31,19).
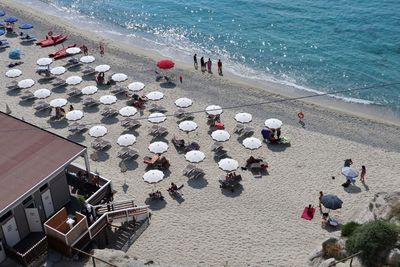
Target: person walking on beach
(363,172)
(321,194)
(195,61)
(101,47)
(219,67)
(209,63)
(202,64)
(85,50)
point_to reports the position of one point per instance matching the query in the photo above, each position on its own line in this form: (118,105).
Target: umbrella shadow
(26,43)
(109,120)
(78,138)
(277,147)
(58,124)
(352,189)
(155,204)
(234,192)
(102,156)
(129,131)
(43,113)
(198,183)
(91,109)
(129,165)
(27,103)
(168,85)
(13,92)
(125,187)
(88,78)
(332,229)
(160,139)
(59,89)
(74,99)
(120,96)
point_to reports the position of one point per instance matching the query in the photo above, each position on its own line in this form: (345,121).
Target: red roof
(28,156)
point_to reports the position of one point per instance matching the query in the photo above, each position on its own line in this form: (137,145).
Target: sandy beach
(258,225)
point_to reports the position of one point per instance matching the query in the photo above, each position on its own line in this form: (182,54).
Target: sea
(318,46)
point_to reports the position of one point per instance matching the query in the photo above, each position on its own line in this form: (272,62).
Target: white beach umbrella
(158,147)
(73,80)
(98,131)
(228,164)
(102,68)
(58,70)
(44,61)
(349,172)
(243,117)
(87,59)
(89,90)
(13,73)
(73,50)
(108,99)
(157,117)
(126,140)
(214,110)
(74,115)
(136,86)
(58,102)
(127,111)
(187,126)
(155,95)
(119,77)
(220,135)
(273,123)
(26,83)
(42,93)
(252,143)
(153,176)
(195,156)
(183,102)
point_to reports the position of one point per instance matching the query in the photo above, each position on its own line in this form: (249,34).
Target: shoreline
(374,112)
(259,223)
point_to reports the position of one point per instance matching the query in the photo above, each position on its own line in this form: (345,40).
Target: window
(27,200)
(44,187)
(5,216)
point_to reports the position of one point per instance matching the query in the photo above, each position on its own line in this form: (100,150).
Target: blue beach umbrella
(2,32)
(25,26)
(2,13)
(11,19)
(331,202)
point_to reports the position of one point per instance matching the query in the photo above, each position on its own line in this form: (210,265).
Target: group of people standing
(206,66)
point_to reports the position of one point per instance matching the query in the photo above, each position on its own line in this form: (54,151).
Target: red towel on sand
(305,214)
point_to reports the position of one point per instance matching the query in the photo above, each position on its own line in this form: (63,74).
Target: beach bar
(39,181)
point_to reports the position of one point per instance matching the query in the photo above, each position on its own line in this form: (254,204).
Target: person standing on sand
(101,47)
(202,64)
(209,63)
(363,172)
(195,62)
(321,194)
(85,50)
(219,67)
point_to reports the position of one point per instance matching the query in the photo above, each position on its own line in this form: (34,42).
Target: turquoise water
(311,44)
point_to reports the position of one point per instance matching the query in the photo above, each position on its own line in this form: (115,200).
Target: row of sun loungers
(76,128)
(157,108)
(158,131)
(108,112)
(243,130)
(130,123)
(100,144)
(193,172)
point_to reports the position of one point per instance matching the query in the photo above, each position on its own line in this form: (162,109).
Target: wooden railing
(115,206)
(104,191)
(78,229)
(29,256)
(351,257)
(98,225)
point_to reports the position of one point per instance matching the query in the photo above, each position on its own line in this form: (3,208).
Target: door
(47,203)
(32,216)
(11,233)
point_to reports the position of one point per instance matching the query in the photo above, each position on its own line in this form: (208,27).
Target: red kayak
(61,53)
(52,40)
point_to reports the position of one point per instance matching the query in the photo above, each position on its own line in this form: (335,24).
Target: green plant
(349,228)
(81,200)
(372,239)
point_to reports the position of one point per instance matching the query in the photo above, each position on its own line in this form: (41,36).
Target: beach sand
(258,225)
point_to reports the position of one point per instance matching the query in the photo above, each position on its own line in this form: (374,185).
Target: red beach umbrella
(165,64)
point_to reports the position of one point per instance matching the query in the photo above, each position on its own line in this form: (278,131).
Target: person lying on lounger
(173,188)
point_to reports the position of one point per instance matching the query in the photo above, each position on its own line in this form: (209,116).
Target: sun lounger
(72,63)
(90,102)
(130,123)
(247,131)
(230,183)
(13,85)
(58,82)
(77,128)
(158,131)
(178,143)
(74,91)
(28,38)
(127,153)
(151,160)
(42,69)
(109,112)
(221,154)
(46,79)
(192,146)
(27,95)
(88,71)
(217,146)
(100,144)
(238,128)
(157,108)
(42,106)
(117,90)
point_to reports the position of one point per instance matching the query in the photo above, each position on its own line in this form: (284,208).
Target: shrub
(333,250)
(81,200)
(349,228)
(372,238)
